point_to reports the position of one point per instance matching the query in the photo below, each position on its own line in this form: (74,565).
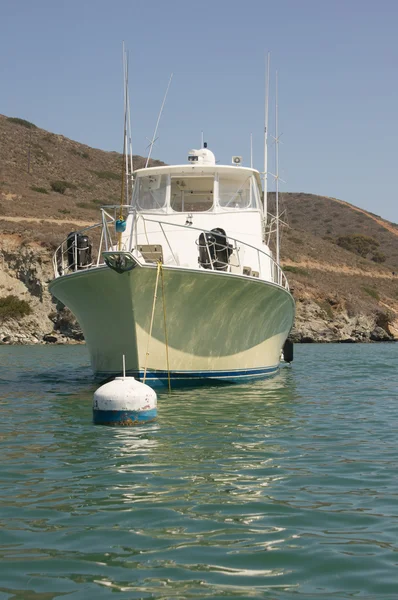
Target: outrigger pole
(153,140)
(126,173)
(277,169)
(127,132)
(265,175)
(127,149)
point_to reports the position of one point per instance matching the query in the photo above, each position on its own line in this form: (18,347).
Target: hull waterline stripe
(194,375)
(123,417)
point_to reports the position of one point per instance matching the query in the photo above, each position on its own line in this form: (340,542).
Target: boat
(180,279)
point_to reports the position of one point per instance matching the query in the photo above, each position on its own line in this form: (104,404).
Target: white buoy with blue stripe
(124,402)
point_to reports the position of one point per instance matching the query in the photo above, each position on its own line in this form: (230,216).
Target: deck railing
(225,254)
(70,256)
(264,263)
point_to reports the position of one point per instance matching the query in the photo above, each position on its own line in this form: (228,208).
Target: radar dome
(204,156)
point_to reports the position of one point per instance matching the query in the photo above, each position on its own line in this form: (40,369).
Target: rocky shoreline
(313,324)
(14,334)
(26,269)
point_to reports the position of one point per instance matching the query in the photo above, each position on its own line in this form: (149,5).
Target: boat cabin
(200,215)
(202,194)
(200,186)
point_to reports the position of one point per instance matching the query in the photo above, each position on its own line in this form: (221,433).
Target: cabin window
(191,194)
(255,193)
(150,192)
(236,193)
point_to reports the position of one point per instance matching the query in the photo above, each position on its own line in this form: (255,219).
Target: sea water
(286,488)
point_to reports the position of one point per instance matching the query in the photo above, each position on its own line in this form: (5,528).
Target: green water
(280,489)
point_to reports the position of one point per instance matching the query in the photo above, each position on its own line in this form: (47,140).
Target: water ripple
(281,489)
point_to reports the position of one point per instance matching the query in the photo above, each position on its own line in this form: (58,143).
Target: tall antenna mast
(276,169)
(265,179)
(127,147)
(125,158)
(130,145)
(157,123)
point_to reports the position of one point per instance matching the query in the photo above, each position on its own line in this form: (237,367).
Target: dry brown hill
(341,257)
(340,260)
(48,176)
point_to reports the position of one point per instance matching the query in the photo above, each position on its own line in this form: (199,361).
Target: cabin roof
(189,169)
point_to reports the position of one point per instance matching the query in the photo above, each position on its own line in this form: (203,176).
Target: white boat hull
(220,326)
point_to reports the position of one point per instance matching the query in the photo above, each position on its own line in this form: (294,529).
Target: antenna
(125,158)
(130,145)
(127,146)
(265,177)
(157,123)
(251,150)
(276,169)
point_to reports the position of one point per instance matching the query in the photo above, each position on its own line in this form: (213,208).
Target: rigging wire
(159,274)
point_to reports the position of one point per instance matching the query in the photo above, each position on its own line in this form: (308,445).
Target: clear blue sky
(61,67)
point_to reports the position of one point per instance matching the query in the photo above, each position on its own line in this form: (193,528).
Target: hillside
(342,263)
(340,260)
(34,163)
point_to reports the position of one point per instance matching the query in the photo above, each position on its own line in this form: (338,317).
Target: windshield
(191,194)
(236,193)
(150,192)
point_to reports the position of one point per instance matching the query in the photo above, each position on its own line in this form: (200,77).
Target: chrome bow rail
(224,254)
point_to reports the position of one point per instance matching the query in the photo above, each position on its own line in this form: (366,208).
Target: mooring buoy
(124,402)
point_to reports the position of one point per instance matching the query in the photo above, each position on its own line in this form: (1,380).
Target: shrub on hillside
(358,243)
(297,270)
(378,257)
(22,122)
(39,152)
(296,240)
(106,174)
(40,190)
(80,153)
(11,307)
(84,205)
(371,292)
(325,306)
(61,186)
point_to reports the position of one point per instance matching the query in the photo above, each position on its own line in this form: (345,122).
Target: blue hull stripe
(126,418)
(200,377)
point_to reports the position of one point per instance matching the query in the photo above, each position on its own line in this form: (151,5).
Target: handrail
(140,215)
(229,237)
(60,252)
(208,231)
(62,265)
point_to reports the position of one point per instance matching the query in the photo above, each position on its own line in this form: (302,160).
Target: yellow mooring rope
(165,331)
(159,272)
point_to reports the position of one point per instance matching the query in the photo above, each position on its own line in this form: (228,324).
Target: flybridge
(204,156)
(200,186)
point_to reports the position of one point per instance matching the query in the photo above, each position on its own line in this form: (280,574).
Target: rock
(380,335)
(50,339)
